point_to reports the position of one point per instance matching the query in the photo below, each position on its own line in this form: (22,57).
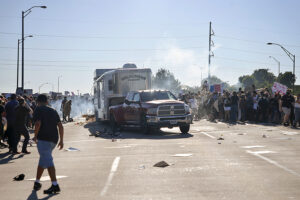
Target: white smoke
(79,107)
(186,64)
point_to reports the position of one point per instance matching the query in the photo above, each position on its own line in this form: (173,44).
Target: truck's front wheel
(184,128)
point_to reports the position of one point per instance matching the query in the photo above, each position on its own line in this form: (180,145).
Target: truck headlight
(152,111)
(187,109)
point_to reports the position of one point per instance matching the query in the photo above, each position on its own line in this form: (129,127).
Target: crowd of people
(17,119)
(257,106)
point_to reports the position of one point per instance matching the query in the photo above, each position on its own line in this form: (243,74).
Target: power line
(107,37)
(102,50)
(252,41)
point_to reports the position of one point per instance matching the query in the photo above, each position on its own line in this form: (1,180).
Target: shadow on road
(6,158)
(33,196)
(103,130)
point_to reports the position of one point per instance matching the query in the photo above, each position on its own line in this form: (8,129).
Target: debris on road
(161,164)
(221,138)
(20,177)
(142,167)
(264,136)
(72,149)
(219,142)
(79,123)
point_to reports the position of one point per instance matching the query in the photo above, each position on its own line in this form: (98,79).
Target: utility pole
(210,53)
(23,16)
(18,65)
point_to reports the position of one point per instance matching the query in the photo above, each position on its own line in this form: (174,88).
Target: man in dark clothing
(234,106)
(249,106)
(2,113)
(22,112)
(11,118)
(63,103)
(274,107)
(243,106)
(263,106)
(46,135)
(286,105)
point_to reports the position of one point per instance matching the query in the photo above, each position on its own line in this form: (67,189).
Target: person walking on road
(22,112)
(47,136)
(67,109)
(63,103)
(11,118)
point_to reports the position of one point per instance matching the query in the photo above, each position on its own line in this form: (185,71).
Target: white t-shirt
(193,103)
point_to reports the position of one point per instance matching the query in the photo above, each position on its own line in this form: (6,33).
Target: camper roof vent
(129,65)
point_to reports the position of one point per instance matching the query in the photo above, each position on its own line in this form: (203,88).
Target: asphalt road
(251,162)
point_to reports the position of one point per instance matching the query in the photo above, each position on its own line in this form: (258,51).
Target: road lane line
(250,147)
(114,168)
(76,141)
(273,163)
(213,137)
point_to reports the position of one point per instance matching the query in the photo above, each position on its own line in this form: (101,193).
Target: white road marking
(250,147)
(183,155)
(82,141)
(213,137)
(121,147)
(260,152)
(257,154)
(290,133)
(114,168)
(45,178)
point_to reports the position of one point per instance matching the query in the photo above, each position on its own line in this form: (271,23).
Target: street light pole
(292,57)
(277,63)
(24,14)
(18,64)
(18,60)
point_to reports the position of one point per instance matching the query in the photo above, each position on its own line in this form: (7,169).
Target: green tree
(287,78)
(261,78)
(164,79)
(247,80)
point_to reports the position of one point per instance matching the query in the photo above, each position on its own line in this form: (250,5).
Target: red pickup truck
(151,109)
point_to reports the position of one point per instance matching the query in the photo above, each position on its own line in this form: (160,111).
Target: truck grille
(171,110)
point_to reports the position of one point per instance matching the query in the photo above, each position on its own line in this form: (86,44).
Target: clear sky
(74,37)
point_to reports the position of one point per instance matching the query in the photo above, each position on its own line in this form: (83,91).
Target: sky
(72,38)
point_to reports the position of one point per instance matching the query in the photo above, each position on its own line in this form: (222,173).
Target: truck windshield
(157,95)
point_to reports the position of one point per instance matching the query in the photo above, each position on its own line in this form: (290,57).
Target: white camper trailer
(112,86)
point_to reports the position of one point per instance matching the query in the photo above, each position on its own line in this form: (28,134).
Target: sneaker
(37,186)
(52,190)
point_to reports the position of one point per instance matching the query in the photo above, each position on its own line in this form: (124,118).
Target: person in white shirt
(194,106)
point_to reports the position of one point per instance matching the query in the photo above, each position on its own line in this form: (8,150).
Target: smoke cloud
(80,106)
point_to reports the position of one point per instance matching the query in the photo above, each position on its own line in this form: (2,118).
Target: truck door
(127,110)
(136,108)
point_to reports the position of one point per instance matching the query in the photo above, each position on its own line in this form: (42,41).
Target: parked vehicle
(151,109)
(112,85)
